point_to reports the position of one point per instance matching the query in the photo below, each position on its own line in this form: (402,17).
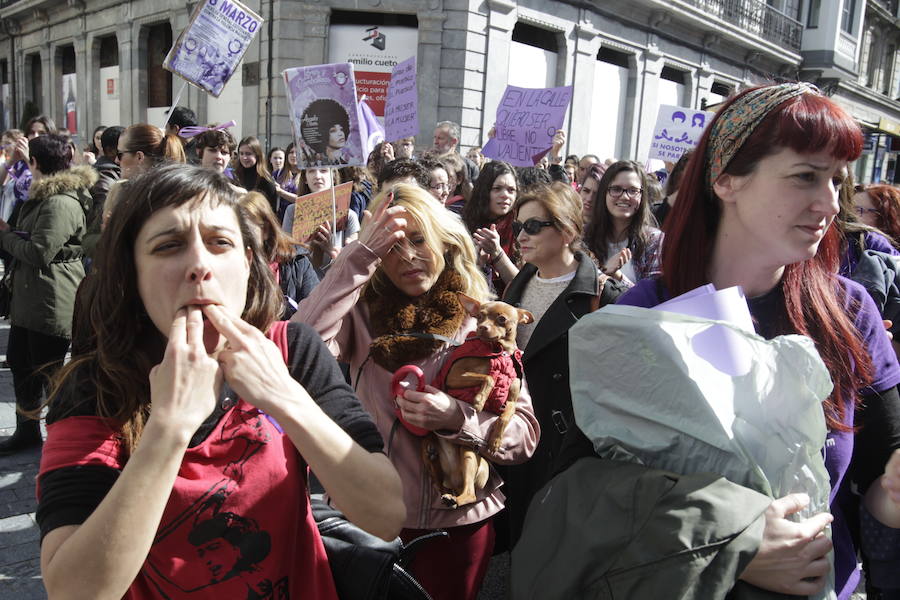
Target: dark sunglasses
(531,226)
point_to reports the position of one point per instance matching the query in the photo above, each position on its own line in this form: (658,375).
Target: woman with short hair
(46,250)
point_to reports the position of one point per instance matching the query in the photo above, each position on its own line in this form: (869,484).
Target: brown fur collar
(61,182)
(391,312)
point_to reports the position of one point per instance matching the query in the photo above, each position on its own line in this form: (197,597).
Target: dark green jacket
(46,246)
(605,529)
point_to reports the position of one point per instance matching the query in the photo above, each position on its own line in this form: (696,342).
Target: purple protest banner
(324,115)
(401,111)
(526,120)
(209,50)
(370,130)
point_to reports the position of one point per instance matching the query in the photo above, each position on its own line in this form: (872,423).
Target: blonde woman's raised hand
(383,229)
(183,385)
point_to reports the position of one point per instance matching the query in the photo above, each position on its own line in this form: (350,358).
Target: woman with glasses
(439,180)
(458,178)
(621,232)
(558,284)
(488,216)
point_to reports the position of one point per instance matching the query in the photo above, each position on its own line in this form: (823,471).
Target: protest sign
(324,115)
(677,130)
(210,48)
(370,130)
(373,49)
(401,112)
(526,120)
(315,209)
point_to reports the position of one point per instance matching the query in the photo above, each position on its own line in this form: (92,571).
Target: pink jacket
(333,311)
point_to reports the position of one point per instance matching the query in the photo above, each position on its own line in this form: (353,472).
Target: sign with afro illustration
(324,115)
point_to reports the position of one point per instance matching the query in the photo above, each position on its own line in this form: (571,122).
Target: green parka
(46,245)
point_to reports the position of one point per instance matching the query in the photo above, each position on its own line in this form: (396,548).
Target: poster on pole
(401,111)
(315,209)
(677,130)
(208,51)
(324,115)
(527,119)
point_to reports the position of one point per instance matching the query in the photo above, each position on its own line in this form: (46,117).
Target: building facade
(624,58)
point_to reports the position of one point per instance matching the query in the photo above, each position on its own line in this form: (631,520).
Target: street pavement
(20,571)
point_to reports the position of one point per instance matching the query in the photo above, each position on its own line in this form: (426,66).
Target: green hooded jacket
(46,246)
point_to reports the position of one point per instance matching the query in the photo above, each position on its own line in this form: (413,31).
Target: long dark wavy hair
(117,343)
(601,228)
(476,212)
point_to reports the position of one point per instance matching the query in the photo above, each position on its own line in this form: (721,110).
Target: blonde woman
(402,276)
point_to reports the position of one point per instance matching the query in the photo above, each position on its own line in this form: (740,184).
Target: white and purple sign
(401,111)
(324,115)
(677,130)
(208,51)
(527,119)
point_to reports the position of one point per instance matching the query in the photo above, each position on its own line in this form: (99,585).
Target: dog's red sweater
(504,369)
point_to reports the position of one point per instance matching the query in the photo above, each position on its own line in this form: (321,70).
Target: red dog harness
(504,368)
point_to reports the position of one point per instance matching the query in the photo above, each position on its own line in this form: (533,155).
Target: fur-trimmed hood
(75,182)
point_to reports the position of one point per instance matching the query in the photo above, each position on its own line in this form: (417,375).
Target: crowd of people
(216,361)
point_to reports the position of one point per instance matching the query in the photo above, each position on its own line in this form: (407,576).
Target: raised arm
(327,306)
(363,484)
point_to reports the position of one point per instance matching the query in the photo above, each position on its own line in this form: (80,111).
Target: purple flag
(527,119)
(401,111)
(324,115)
(370,130)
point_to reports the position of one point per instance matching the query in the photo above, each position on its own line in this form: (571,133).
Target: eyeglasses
(531,226)
(616,191)
(861,210)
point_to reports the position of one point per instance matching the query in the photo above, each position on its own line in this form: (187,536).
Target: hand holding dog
(431,409)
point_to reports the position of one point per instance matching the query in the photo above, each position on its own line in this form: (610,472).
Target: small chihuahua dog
(485,371)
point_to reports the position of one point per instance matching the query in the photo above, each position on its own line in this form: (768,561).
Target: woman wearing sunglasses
(621,232)
(558,284)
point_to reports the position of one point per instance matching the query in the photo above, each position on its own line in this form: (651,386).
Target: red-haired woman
(879,206)
(754,209)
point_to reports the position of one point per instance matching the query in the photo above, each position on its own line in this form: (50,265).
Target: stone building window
(533,57)
(848,8)
(37,81)
(812,17)
(887,77)
(109,51)
(159,81)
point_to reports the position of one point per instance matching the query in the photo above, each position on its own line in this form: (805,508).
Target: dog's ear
(525,317)
(471,305)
